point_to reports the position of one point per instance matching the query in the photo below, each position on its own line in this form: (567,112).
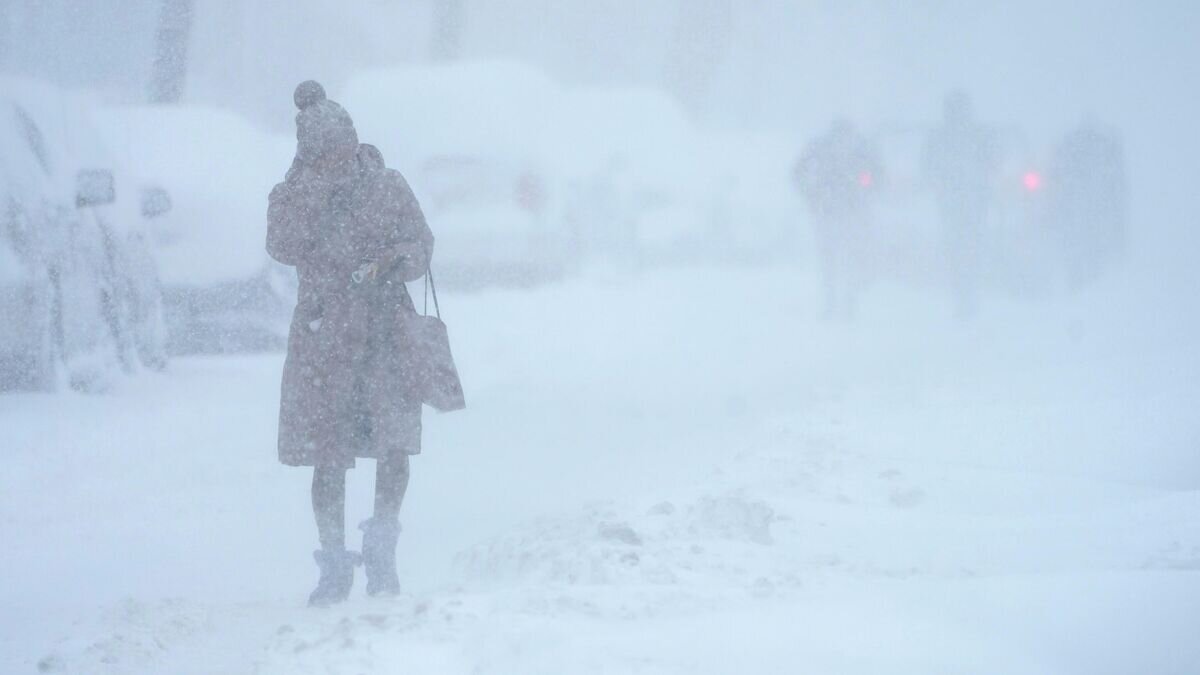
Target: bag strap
(429,286)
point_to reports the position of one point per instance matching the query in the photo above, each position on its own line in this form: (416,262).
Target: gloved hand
(366,271)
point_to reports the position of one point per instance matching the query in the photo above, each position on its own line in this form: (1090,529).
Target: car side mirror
(94,187)
(156,201)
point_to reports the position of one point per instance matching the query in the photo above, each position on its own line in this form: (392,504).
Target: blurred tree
(701,41)
(448,23)
(5,34)
(170,51)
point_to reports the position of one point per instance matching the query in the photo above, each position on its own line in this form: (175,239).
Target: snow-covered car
(522,178)
(478,203)
(631,160)
(469,137)
(222,293)
(745,197)
(78,289)
(646,184)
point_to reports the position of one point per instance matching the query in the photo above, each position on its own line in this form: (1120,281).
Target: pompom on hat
(307,93)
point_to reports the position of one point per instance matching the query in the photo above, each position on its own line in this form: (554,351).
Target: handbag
(436,375)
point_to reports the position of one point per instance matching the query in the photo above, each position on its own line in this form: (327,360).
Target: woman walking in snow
(355,233)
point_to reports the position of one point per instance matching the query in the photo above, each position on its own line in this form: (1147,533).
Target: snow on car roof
(489,108)
(641,127)
(218,169)
(503,109)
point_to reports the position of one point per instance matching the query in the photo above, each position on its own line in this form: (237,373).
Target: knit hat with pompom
(323,128)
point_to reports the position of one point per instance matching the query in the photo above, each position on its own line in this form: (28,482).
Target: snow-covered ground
(676,472)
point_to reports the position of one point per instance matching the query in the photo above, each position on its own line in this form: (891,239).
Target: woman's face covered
(325,133)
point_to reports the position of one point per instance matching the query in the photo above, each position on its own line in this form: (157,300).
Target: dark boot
(379,555)
(337,576)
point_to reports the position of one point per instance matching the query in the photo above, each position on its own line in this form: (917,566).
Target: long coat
(347,382)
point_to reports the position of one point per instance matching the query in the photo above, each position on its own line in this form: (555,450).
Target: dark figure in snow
(355,233)
(837,174)
(960,162)
(1087,201)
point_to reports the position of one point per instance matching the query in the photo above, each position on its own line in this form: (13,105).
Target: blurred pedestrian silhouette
(960,163)
(837,174)
(1087,202)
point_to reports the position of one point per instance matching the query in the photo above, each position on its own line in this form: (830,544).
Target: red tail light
(1032,181)
(866,179)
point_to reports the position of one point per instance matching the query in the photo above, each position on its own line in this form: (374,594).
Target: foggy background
(642,325)
(784,68)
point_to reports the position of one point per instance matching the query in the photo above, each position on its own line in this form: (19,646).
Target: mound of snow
(721,541)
